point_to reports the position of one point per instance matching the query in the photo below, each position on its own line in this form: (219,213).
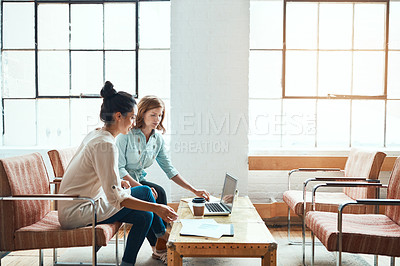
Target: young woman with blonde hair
(141,147)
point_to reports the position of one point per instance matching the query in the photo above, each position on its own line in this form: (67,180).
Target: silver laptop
(225,205)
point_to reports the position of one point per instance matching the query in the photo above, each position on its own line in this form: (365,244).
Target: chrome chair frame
(309,170)
(67,198)
(371,183)
(57,181)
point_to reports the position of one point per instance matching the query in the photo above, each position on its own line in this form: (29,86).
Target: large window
(56,55)
(324,74)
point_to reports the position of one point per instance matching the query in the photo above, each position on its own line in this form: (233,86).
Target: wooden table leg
(269,259)
(174,258)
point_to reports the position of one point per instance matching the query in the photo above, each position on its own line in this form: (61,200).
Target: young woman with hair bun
(140,148)
(93,172)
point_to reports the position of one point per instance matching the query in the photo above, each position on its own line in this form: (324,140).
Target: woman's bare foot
(161,245)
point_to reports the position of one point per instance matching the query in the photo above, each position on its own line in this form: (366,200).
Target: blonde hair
(147,103)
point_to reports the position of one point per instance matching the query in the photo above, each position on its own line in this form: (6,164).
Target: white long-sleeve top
(92,172)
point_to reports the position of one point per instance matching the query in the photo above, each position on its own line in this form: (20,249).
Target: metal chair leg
(54,256)
(312,248)
(116,248)
(392,261)
(303,236)
(376,261)
(288,215)
(40,257)
(124,235)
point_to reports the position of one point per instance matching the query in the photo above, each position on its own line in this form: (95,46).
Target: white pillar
(209,92)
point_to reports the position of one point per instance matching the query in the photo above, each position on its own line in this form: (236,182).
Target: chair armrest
(311,170)
(341,184)
(344,180)
(375,202)
(56,180)
(350,184)
(378,201)
(57,197)
(57,183)
(338,178)
(318,169)
(48,197)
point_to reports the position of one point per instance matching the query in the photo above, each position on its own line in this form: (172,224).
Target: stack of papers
(205,227)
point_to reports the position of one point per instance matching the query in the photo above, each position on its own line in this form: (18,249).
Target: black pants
(161,199)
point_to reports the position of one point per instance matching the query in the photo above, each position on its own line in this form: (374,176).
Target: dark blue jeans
(161,199)
(141,221)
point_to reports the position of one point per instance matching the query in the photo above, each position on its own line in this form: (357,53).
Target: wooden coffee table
(252,238)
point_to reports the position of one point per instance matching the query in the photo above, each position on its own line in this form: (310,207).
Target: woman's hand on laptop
(203,194)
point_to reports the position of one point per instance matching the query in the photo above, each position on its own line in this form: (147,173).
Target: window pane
(19,122)
(368,76)
(53,73)
(369,26)
(154,25)
(120,70)
(86,73)
(85,117)
(335,26)
(18,25)
(53,26)
(18,74)
(86,26)
(264,124)
(301,25)
(367,123)
(119,26)
(154,73)
(266,19)
(265,74)
(393,75)
(394,25)
(53,122)
(298,123)
(393,124)
(333,123)
(301,73)
(334,75)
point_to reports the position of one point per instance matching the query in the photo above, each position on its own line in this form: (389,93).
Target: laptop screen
(228,193)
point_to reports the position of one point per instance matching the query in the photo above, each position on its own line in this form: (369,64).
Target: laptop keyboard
(214,207)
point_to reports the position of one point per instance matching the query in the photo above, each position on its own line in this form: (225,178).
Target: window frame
(337,96)
(36,3)
(387,99)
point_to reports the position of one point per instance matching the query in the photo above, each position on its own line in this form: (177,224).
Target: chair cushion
(393,212)
(48,233)
(362,233)
(325,201)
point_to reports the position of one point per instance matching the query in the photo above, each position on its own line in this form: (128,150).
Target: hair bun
(108,90)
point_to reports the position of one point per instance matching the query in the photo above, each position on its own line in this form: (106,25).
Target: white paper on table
(204,227)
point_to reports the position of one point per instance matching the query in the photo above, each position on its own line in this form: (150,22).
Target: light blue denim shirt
(135,154)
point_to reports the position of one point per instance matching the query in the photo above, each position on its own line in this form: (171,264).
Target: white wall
(209,92)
